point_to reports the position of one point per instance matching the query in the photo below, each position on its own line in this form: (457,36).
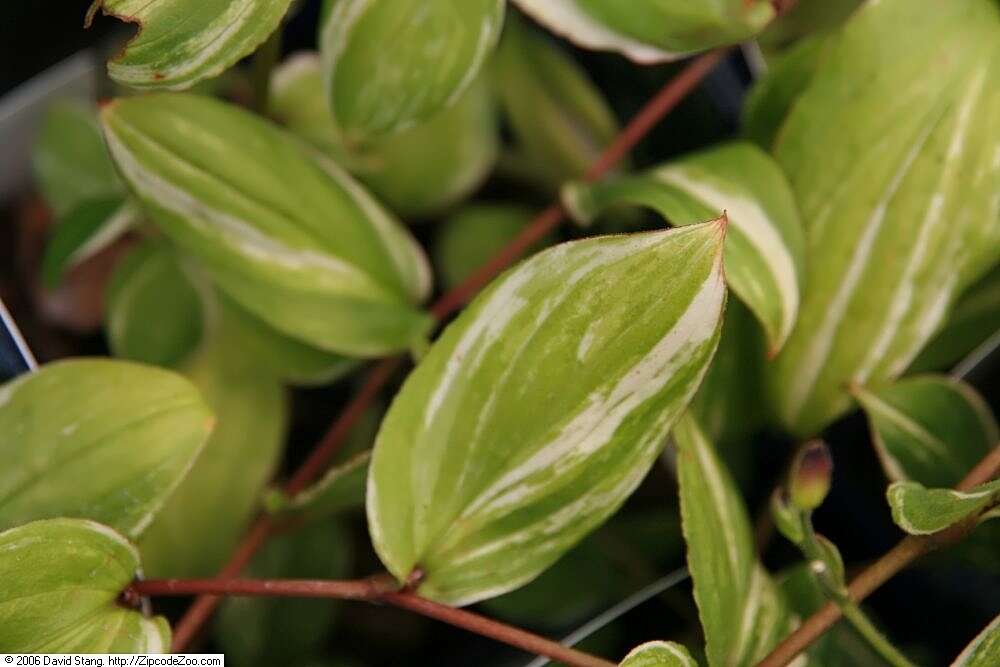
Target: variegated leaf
(649,31)
(742,612)
(60,590)
(286,234)
(97,439)
(182,42)
(765,245)
(658,654)
(86,230)
(931,429)
(341,488)
(891,152)
(984,650)
(541,408)
(922,511)
(391,64)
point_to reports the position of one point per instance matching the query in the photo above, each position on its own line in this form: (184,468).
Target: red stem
(653,112)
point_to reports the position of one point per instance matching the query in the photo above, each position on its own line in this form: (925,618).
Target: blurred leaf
(742,612)
(97,439)
(787,518)
(932,429)
(541,408)
(291,238)
(659,654)
(340,489)
(922,511)
(182,42)
(648,31)
(285,631)
(805,18)
(764,246)
(900,216)
(61,582)
(474,234)
(390,65)
(984,650)
(89,228)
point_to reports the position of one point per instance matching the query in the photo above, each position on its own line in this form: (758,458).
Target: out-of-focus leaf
(984,650)
(922,511)
(86,230)
(198,528)
(288,235)
(972,321)
(805,18)
(649,31)
(742,612)
(764,247)
(97,439)
(390,65)
(560,118)
(900,215)
(470,237)
(60,588)
(659,654)
(341,488)
(931,429)
(288,631)
(787,518)
(182,42)
(70,160)
(541,408)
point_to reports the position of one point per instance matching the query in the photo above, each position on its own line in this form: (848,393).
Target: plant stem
(854,614)
(264,61)
(655,110)
(374,589)
(899,557)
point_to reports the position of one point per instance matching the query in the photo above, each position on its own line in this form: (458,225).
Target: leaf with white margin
(60,587)
(285,233)
(742,612)
(391,64)
(984,650)
(541,408)
(931,429)
(658,654)
(182,42)
(922,511)
(97,439)
(765,244)
(900,217)
(86,230)
(650,31)
(341,488)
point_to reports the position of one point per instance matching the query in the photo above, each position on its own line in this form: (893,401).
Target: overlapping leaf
(984,650)
(922,511)
(474,234)
(341,488)
(658,654)
(541,408)
(86,230)
(891,152)
(60,587)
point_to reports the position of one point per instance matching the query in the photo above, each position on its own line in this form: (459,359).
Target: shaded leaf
(540,409)
(659,654)
(474,234)
(984,650)
(86,230)
(922,511)
(342,487)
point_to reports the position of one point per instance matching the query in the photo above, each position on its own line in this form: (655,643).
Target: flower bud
(810,475)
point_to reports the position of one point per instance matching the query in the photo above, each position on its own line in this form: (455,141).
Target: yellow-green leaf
(658,654)
(984,650)
(341,488)
(922,511)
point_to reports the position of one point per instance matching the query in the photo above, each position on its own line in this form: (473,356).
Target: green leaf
(97,439)
(86,230)
(659,654)
(788,519)
(474,234)
(60,587)
(182,42)
(70,160)
(932,429)
(765,246)
(415,172)
(286,234)
(649,31)
(560,119)
(899,217)
(741,610)
(540,409)
(392,64)
(984,650)
(201,523)
(922,511)
(803,19)
(341,488)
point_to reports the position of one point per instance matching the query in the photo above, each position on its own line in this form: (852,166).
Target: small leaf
(741,610)
(658,654)
(287,235)
(922,511)
(97,439)
(474,234)
(984,650)
(182,42)
(765,246)
(649,31)
(787,518)
(392,64)
(341,488)
(59,592)
(931,429)
(540,409)
(89,228)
